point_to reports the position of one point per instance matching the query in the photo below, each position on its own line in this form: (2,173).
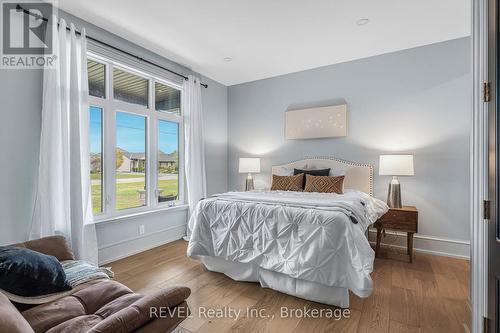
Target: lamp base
(394,194)
(249,183)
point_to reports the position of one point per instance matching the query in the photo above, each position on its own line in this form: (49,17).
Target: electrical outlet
(141,229)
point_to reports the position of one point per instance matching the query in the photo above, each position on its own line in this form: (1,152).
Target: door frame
(492,62)
(479,150)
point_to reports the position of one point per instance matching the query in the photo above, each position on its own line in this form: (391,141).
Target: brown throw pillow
(287,183)
(325,184)
(312,172)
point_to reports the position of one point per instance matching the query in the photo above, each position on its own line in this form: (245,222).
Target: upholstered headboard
(358,176)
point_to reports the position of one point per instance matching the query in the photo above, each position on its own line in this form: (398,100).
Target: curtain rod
(19,8)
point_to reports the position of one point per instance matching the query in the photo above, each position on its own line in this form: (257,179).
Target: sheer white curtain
(63,203)
(194,144)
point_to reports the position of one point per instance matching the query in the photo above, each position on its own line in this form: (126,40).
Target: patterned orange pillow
(287,183)
(325,184)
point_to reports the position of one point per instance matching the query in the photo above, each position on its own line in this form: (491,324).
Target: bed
(305,244)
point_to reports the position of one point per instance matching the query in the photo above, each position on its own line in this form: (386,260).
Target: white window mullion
(182,183)
(181,198)
(110,134)
(153,177)
(169,117)
(153,144)
(131,108)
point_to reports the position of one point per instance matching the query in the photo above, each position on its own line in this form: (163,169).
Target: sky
(131,132)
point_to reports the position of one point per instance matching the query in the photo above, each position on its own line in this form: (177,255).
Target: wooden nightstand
(403,219)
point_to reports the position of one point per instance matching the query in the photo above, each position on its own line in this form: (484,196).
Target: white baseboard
(133,245)
(427,244)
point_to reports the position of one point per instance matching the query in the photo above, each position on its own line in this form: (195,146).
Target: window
(130,158)
(168,161)
(167,99)
(97,78)
(96,157)
(136,139)
(130,88)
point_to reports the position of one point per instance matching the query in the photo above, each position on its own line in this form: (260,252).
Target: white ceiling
(267,38)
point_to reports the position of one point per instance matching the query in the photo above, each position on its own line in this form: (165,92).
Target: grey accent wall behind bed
(414,101)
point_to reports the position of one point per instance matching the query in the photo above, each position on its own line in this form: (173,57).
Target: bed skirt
(280,282)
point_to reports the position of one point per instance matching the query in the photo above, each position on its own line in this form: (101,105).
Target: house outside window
(136,138)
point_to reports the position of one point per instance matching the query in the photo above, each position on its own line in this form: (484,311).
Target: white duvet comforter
(317,237)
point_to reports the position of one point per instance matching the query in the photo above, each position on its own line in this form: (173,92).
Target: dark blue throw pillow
(29,273)
(312,172)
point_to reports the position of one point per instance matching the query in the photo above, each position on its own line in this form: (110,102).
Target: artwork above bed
(314,123)
(358,176)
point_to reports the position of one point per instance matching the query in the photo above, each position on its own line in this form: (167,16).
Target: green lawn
(119,175)
(96,199)
(127,195)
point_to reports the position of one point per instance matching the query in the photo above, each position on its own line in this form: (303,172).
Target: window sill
(110,219)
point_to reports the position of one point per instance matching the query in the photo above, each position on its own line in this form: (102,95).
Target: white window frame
(110,107)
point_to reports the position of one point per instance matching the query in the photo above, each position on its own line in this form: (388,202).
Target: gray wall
(415,101)
(215,129)
(20,116)
(20,100)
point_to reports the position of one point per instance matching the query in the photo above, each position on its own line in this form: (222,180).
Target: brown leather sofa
(106,306)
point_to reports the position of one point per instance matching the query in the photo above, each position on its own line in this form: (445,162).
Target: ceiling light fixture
(228,59)
(362,21)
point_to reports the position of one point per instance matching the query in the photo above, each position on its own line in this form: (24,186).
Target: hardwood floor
(427,296)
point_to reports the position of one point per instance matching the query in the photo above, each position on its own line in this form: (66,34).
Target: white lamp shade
(396,165)
(249,165)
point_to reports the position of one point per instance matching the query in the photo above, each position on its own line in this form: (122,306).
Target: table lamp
(249,165)
(395,165)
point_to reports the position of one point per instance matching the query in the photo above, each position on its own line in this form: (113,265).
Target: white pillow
(315,167)
(286,171)
(336,173)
